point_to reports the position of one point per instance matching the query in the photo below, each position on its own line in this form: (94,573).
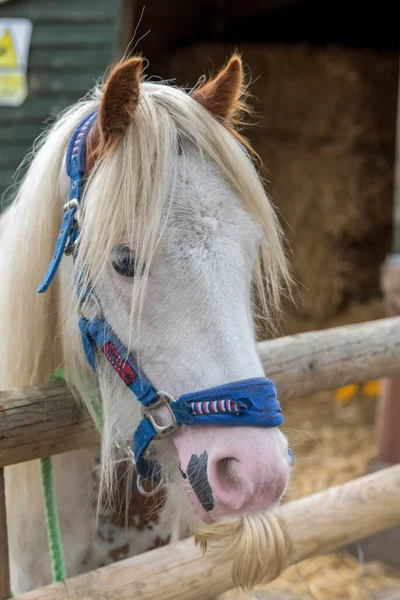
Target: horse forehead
(204,201)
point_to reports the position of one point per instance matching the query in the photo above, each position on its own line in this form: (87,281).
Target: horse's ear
(120,100)
(221,95)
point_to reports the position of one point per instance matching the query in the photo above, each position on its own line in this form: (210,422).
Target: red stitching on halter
(123,368)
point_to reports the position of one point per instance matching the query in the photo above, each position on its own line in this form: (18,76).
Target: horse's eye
(123,260)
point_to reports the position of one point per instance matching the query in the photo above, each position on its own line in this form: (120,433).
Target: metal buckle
(162,431)
(69,247)
(73,204)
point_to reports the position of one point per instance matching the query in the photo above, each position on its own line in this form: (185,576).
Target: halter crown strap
(76,161)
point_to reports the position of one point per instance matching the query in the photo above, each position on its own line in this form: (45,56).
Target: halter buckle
(70,246)
(162,431)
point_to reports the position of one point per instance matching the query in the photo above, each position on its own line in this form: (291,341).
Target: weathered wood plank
(45,420)
(52,86)
(317,524)
(4,564)
(34,110)
(79,58)
(61,82)
(23,132)
(50,10)
(64,35)
(41,422)
(60,13)
(327,359)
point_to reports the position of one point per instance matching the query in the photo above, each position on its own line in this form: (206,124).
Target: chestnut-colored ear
(221,95)
(120,100)
(117,109)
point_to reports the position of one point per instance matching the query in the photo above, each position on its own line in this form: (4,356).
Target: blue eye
(123,261)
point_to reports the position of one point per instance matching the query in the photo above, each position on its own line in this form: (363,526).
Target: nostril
(226,471)
(226,484)
(248,487)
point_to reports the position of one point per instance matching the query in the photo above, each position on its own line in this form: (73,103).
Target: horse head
(170,240)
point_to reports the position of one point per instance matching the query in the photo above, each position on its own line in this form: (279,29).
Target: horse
(174,243)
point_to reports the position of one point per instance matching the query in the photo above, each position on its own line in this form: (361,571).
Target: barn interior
(324,88)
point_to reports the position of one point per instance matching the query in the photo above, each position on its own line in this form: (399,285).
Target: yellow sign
(11,84)
(15,39)
(8,57)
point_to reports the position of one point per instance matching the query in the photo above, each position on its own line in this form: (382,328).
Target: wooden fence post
(5,591)
(388,417)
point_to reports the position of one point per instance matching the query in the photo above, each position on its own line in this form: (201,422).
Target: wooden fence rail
(43,421)
(317,524)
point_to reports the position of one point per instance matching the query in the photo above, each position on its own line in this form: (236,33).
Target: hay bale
(356,312)
(336,209)
(326,137)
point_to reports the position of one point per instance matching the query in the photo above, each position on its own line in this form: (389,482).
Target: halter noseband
(249,402)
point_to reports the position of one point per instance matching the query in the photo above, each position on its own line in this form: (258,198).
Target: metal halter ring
(139,478)
(143,492)
(73,204)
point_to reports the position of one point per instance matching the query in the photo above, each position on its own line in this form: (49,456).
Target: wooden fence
(318,523)
(44,421)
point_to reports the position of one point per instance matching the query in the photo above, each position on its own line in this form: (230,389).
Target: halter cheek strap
(249,402)
(69,230)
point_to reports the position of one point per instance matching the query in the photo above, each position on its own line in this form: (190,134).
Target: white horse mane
(132,186)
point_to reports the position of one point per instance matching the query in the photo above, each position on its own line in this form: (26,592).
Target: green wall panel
(72,45)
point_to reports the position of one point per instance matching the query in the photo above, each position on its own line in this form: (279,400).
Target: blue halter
(249,402)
